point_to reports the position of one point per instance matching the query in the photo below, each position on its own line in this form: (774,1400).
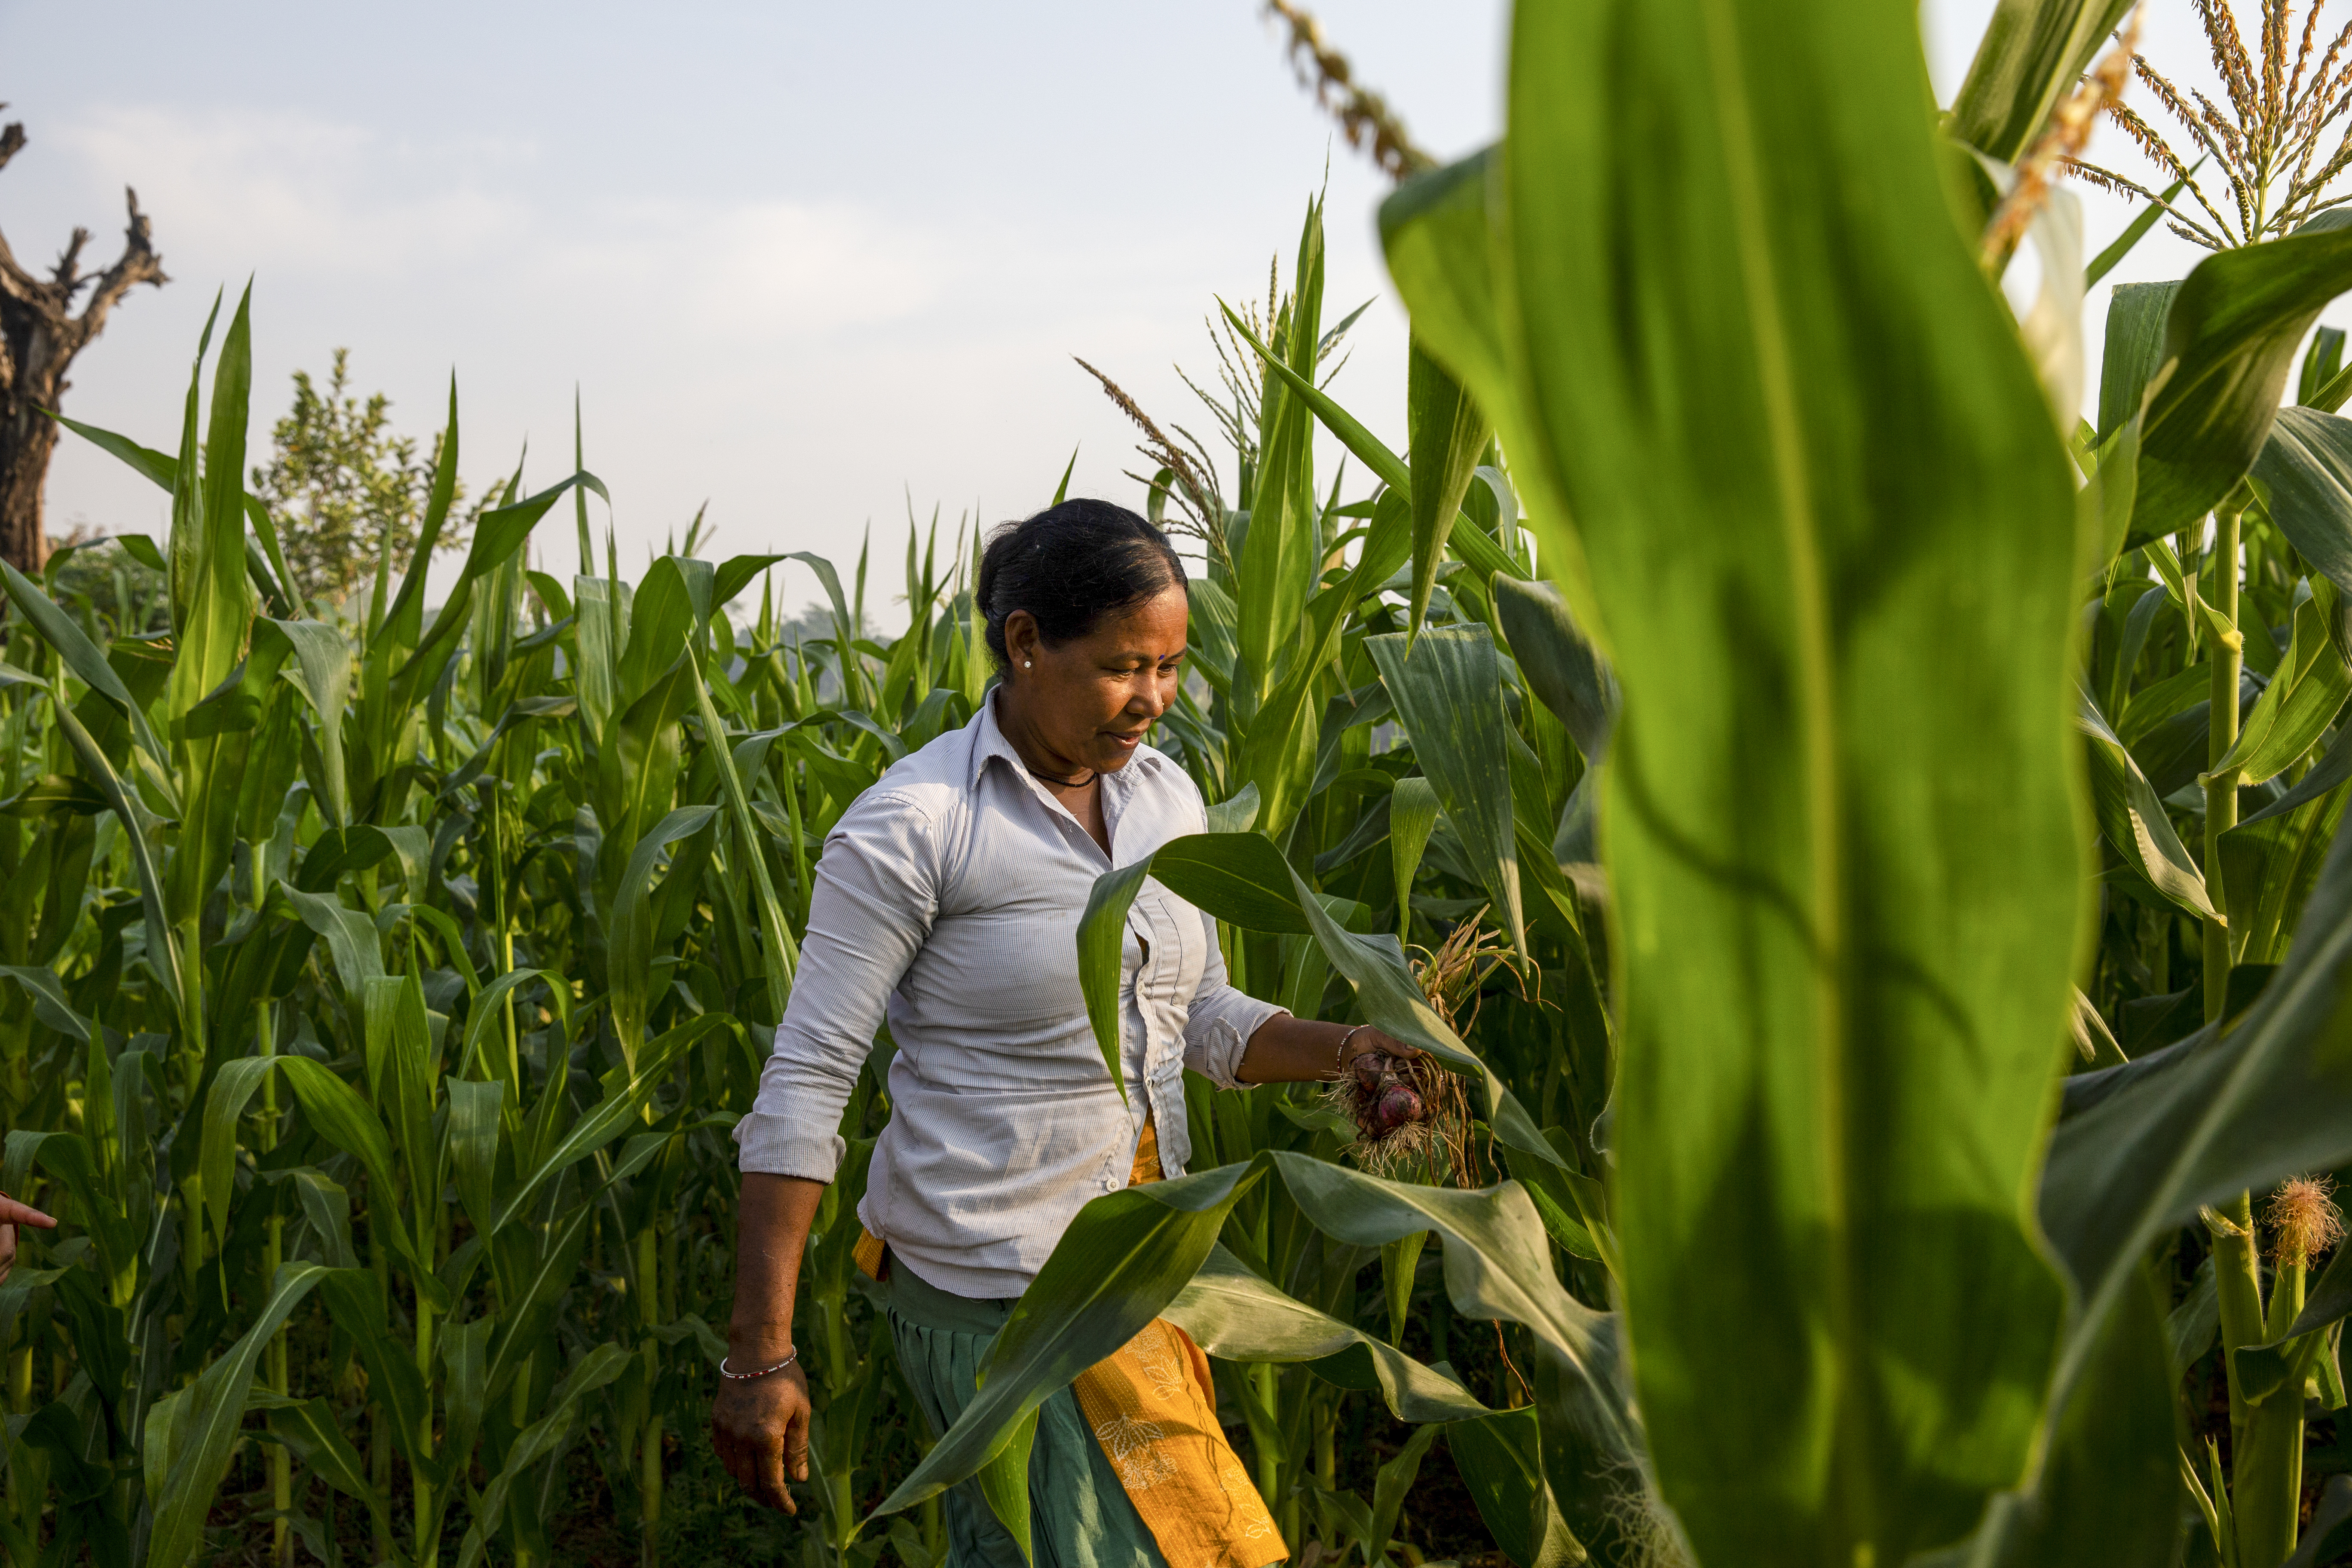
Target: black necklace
(1092,774)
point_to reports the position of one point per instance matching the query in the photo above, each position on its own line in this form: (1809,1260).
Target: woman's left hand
(1366,1048)
(1285,1049)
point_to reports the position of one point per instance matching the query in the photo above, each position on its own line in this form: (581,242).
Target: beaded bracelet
(1340,1055)
(763,1371)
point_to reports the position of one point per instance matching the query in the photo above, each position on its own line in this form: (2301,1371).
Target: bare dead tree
(40,333)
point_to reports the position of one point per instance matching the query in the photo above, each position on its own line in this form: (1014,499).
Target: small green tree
(345,490)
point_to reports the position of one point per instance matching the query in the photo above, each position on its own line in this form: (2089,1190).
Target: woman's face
(1092,700)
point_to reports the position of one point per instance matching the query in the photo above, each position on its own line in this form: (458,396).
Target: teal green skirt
(1079,1515)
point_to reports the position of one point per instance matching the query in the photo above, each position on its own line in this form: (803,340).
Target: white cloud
(753,271)
(293,191)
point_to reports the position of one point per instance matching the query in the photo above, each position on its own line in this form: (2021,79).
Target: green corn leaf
(160,468)
(81,654)
(1280,555)
(312,1430)
(666,610)
(1236,814)
(565,1407)
(498,534)
(2302,700)
(328,1208)
(1235,1315)
(1435,236)
(470,1138)
(1564,670)
(611,1116)
(1399,1259)
(2329,1534)
(2134,352)
(1279,753)
(1412,816)
(1772,876)
(637,765)
(401,1069)
(1102,933)
(2134,820)
(337,853)
(735,574)
(1123,1259)
(463,1401)
(846,628)
(2142,1146)
(350,935)
(1386,466)
(403,621)
(1003,1480)
(1239,877)
(2108,1486)
(322,671)
(2305,472)
(1209,636)
(632,952)
(2032,54)
(488,1011)
(203,1420)
(1447,435)
(523,711)
(213,608)
(525,1311)
(1130,1254)
(208,533)
(1390,1484)
(316,1437)
(49,998)
(335,1110)
(233,1088)
(2230,340)
(1500,1462)
(356,1303)
(2106,500)
(1448,691)
(600,629)
(140,831)
(2270,863)
(70,1158)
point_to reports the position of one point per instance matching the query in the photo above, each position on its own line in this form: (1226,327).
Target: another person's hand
(12,1215)
(761,1428)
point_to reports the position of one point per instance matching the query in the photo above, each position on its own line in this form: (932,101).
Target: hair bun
(1069,566)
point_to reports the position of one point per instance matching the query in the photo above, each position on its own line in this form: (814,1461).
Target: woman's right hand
(761,1428)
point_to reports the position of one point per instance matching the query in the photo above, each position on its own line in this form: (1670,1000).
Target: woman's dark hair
(1069,566)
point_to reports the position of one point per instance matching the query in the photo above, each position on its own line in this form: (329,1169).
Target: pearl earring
(1026,664)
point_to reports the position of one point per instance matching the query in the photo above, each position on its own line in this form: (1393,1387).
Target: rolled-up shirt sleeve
(1222,1020)
(876,893)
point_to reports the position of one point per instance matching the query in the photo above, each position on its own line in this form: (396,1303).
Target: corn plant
(1791,462)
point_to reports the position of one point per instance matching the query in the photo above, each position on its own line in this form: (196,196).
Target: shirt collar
(989,741)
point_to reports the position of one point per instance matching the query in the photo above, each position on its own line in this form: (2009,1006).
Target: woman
(949,896)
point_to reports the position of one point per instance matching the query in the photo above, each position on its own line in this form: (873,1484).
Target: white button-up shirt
(948,896)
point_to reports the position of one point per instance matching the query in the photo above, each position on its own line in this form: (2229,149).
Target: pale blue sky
(800,259)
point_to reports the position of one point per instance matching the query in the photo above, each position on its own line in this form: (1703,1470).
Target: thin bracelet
(763,1371)
(1340,1055)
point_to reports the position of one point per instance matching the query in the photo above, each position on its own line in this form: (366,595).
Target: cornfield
(1863,847)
